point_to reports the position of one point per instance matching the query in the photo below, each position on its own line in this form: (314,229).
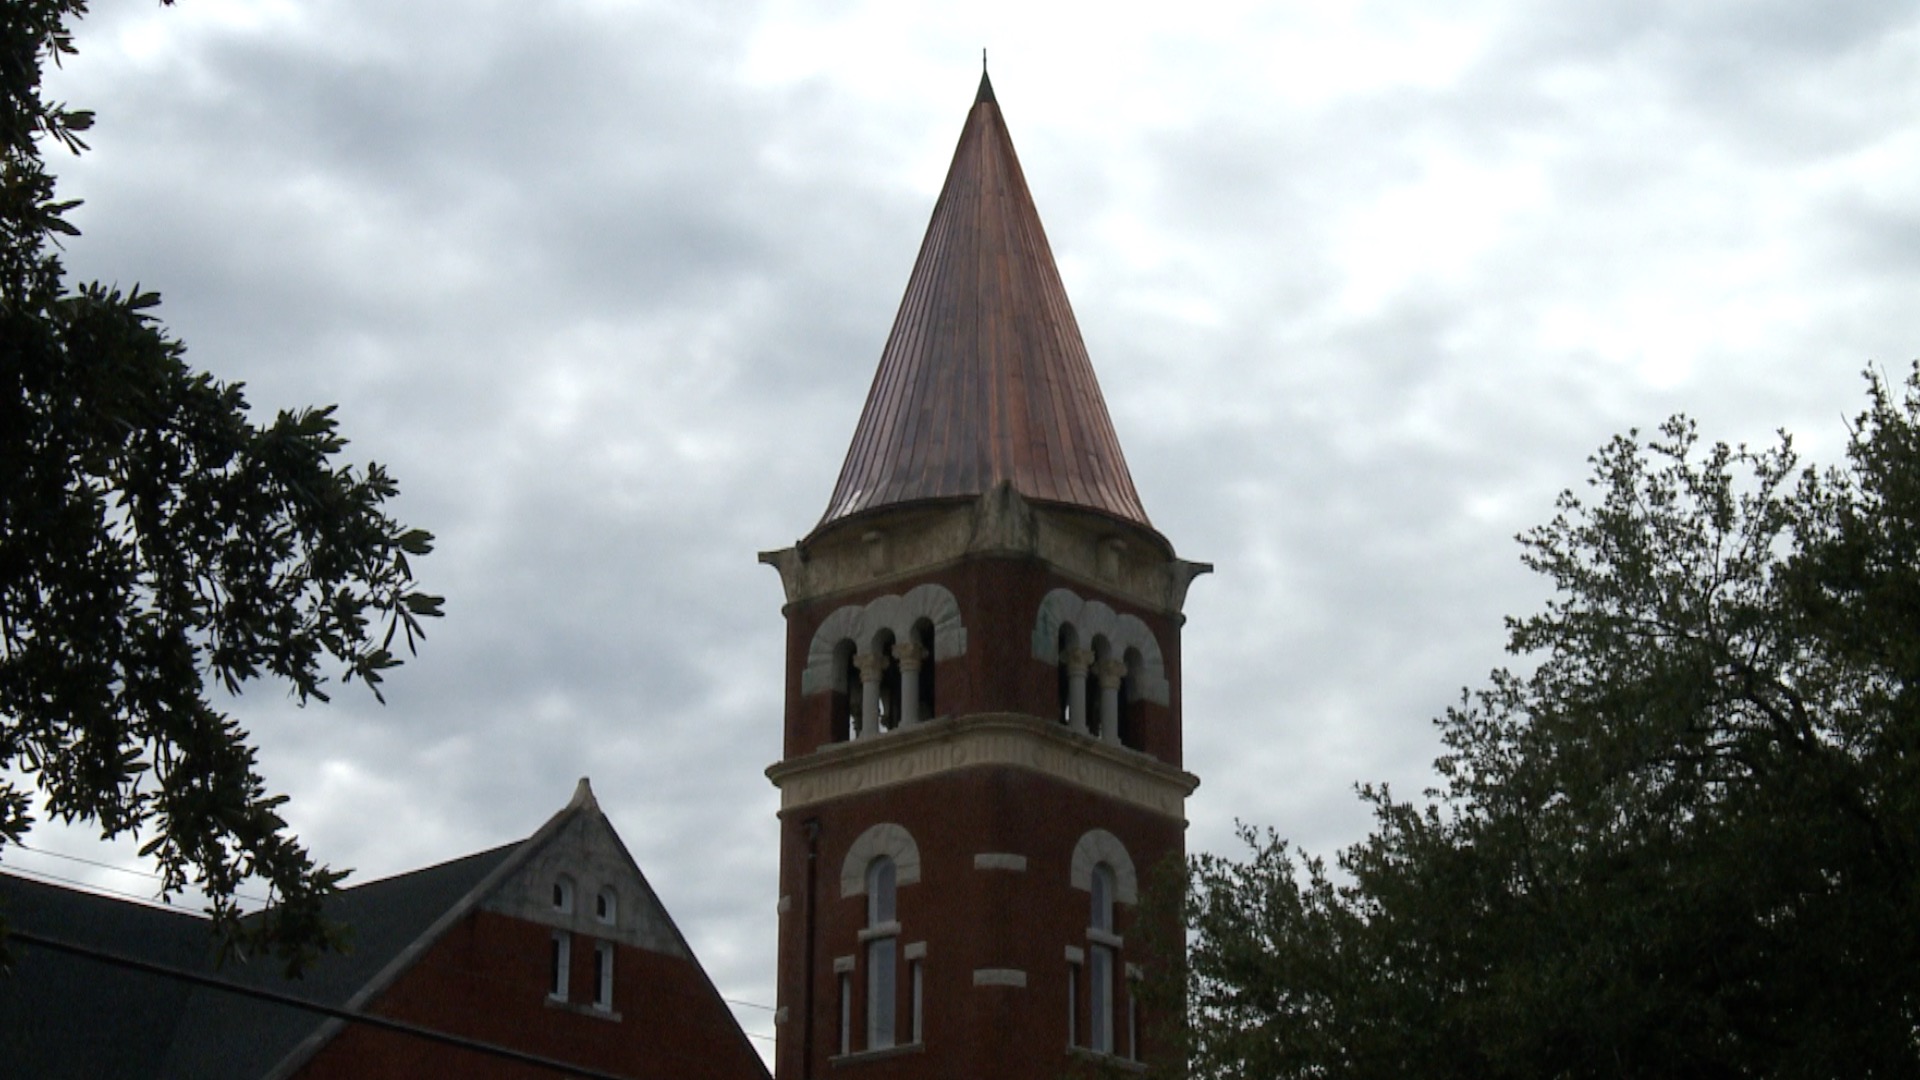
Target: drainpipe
(812,826)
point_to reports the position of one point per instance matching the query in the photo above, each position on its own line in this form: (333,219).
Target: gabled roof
(63,1015)
(985,379)
(67,1016)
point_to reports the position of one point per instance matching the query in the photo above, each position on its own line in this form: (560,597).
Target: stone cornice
(992,739)
(1124,559)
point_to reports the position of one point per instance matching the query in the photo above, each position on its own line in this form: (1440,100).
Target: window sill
(1111,1061)
(861,1057)
(593,1011)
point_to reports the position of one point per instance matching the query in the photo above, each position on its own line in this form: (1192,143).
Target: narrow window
(889,685)
(603,976)
(563,895)
(1102,889)
(1100,998)
(919,999)
(1133,1022)
(1100,962)
(846,694)
(606,907)
(883,987)
(846,1013)
(929,699)
(562,961)
(1073,1004)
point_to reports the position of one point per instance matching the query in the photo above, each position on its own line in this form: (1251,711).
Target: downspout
(812,825)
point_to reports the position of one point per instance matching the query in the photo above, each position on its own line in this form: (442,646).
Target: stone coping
(1006,740)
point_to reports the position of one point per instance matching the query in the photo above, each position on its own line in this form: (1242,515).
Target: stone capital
(910,654)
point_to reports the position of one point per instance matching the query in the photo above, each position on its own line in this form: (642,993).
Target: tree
(1683,843)
(154,541)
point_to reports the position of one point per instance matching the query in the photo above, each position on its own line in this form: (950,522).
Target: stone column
(1078,660)
(1110,672)
(910,655)
(872,666)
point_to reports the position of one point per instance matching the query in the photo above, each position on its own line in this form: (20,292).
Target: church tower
(982,755)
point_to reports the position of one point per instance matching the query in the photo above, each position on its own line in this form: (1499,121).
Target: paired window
(606,912)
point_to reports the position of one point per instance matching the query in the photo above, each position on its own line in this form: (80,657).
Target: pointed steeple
(985,379)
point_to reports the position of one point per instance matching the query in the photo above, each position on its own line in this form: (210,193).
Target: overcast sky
(604,284)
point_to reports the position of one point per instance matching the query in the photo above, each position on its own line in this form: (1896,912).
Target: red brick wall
(487,979)
(969,918)
(999,600)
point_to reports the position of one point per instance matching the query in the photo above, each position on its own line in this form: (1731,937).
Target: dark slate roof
(229,1035)
(67,1016)
(985,379)
(62,1016)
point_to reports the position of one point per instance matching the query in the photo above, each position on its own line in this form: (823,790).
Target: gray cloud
(607,296)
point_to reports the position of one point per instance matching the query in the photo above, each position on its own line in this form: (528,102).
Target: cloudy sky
(604,284)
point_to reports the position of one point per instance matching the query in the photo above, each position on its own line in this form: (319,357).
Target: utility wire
(288,1000)
(24,846)
(149,901)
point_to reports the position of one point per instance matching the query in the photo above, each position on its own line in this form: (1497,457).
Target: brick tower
(982,756)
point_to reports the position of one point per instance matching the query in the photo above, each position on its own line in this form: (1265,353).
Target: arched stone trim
(884,839)
(1090,619)
(862,623)
(1100,846)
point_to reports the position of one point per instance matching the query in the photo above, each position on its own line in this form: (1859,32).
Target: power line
(150,875)
(397,1026)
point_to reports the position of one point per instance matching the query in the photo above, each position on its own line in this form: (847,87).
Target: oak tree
(158,550)
(1682,837)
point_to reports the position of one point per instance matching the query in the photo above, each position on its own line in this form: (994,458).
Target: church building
(981,771)
(982,757)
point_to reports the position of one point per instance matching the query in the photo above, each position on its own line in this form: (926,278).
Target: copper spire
(984,378)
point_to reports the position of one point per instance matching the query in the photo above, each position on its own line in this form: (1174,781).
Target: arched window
(1075,660)
(1102,893)
(1130,712)
(606,907)
(888,688)
(846,693)
(1100,1017)
(563,894)
(913,669)
(882,937)
(1101,947)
